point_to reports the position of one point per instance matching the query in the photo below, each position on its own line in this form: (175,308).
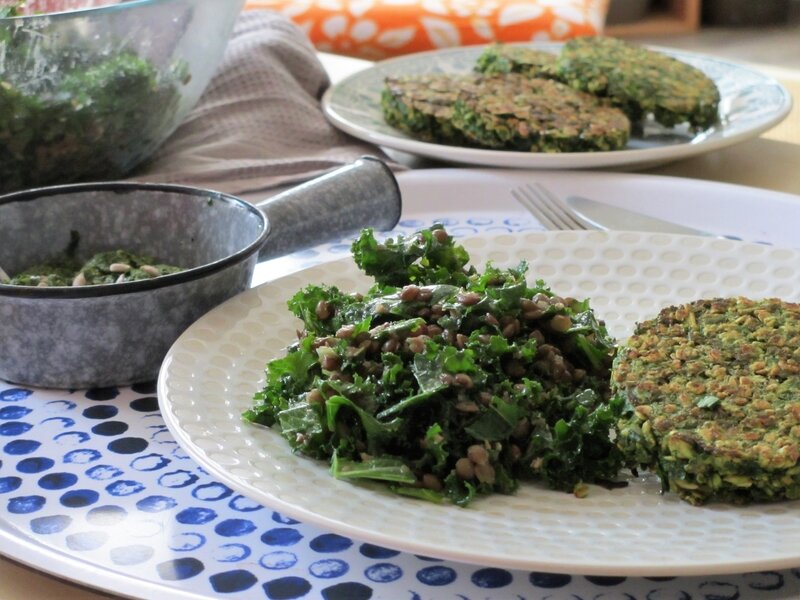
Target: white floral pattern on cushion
(376,29)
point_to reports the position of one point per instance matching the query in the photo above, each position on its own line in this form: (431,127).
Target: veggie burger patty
(503,111)
(640,81)
(714,394)
(422,105)
(516,112)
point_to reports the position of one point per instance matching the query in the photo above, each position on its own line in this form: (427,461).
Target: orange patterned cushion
(376,29)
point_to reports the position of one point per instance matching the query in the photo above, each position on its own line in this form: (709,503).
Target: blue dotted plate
(94,488)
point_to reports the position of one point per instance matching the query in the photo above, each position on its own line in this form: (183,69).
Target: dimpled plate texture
(750,103)
(210,374)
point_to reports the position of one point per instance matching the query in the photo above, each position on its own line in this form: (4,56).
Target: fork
(548,208)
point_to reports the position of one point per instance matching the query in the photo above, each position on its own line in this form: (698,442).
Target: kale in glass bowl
(91,92)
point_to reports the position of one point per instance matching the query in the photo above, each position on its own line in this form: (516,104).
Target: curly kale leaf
(576,448)
(427,257)
(591,336)
(385,468)
(287,379)
(324,309)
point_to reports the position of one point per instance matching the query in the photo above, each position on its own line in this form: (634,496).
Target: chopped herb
(708,402)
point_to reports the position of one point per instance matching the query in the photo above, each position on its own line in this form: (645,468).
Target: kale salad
(445,382)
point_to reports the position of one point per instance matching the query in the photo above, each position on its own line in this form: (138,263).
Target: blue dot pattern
(95,476)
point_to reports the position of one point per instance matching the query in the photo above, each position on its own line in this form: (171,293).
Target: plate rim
(74,570)
(640,157)
(307,515)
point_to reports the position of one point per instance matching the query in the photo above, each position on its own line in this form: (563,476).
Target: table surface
(771,161)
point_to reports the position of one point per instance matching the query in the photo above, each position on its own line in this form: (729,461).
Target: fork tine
(555,204)
(547,207)
(521,196)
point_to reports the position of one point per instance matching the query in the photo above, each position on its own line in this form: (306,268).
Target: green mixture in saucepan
(444,382)
(72,113)
(113,266)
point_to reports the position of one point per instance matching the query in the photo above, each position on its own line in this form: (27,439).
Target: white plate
(212,371)
(750,104)
(471,201)
(752,214)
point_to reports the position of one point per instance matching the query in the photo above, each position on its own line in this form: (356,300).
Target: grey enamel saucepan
(117,334)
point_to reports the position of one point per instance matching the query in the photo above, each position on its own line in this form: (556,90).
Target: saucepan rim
(129,287)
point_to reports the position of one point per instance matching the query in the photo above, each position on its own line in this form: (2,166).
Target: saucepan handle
(362,194)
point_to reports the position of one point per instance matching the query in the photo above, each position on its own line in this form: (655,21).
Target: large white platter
(751,103)
(210,374)
(471,201)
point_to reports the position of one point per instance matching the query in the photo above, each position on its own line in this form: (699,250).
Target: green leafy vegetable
(708,402)
(12,9)
(445,382)
(385,469)
(427,257)
(69,112)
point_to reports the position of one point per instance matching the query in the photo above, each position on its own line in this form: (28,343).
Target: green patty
(714,389)
(640,81)
(504,112)
(422,106)
(500,58)
(516,112)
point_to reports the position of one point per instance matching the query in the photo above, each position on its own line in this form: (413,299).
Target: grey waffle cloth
(259,125)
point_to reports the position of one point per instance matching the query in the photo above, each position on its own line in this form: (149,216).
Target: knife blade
(606,216)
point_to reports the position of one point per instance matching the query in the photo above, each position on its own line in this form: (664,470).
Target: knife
(606,216)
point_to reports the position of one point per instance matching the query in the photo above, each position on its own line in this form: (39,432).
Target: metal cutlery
(548,208)
(580,213)
(607,216)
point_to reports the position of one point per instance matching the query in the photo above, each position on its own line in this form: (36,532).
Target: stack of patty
(640,81)
(714,392)
(503,111)
(522,98)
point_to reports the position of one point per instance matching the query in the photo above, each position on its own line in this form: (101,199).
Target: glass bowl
(90,89)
